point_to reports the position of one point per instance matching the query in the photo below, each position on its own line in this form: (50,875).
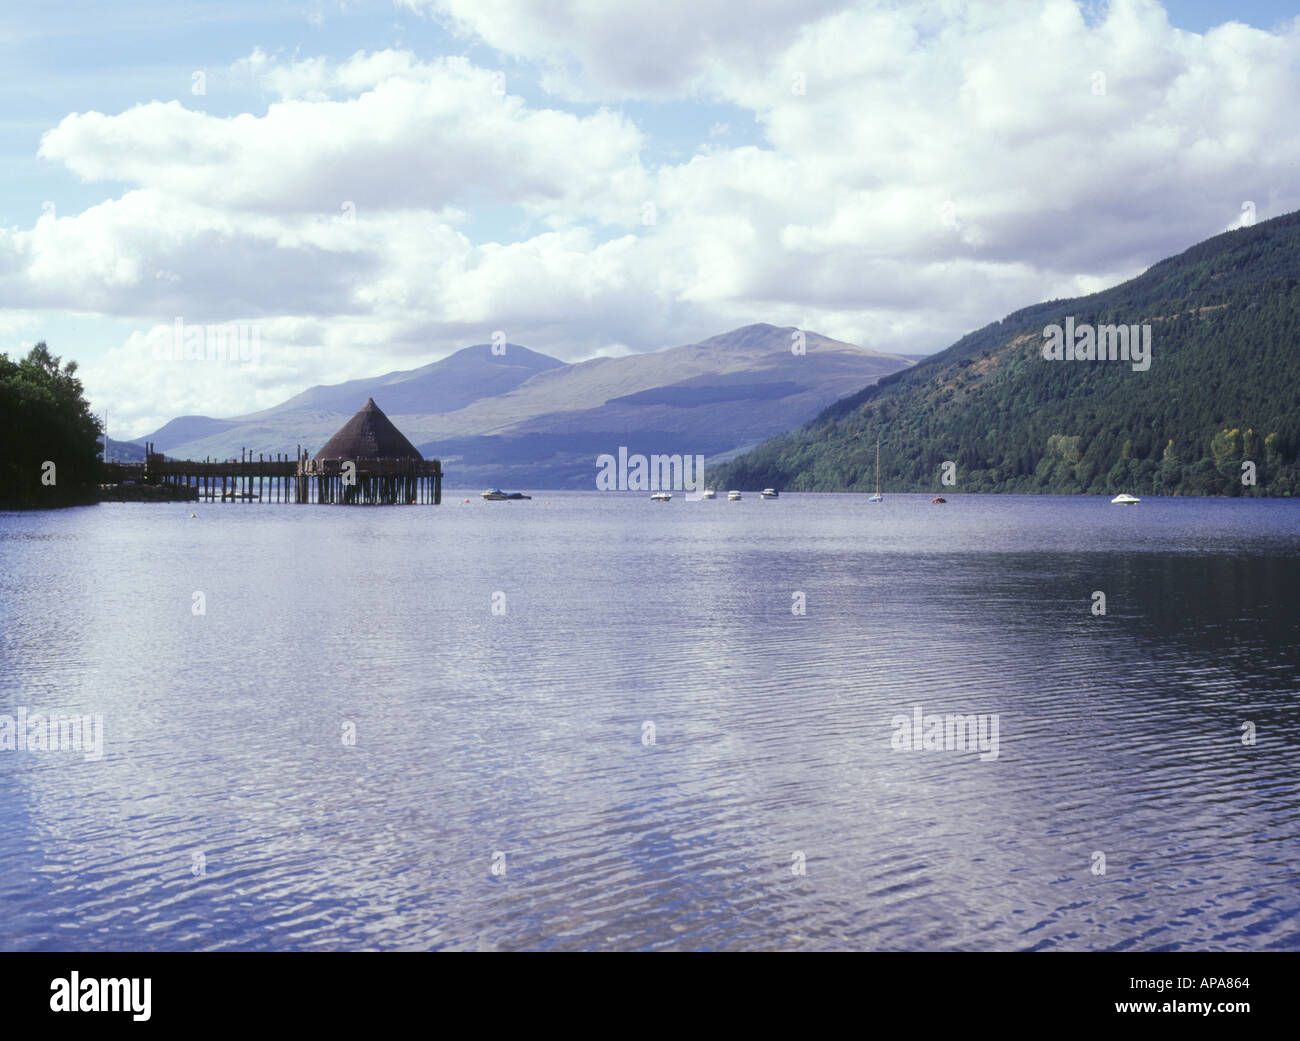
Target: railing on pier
(281,479)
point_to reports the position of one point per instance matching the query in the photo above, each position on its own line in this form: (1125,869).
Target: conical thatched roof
(368,435)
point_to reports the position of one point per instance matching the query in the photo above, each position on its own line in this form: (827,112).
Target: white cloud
(947,162)
(597,49)
(415,135)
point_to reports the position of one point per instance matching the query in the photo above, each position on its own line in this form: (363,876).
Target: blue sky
(71,57)
(893,202)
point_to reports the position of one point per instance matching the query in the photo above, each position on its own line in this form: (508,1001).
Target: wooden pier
(281,479)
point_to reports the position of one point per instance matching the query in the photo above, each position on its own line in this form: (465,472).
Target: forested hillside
(1223,389)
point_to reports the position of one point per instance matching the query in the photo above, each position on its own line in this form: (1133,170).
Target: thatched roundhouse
(370,461)
(368,435)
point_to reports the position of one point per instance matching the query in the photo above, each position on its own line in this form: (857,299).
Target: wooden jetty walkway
(281,479)
(369,461)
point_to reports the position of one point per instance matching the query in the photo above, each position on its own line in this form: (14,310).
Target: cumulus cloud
(594,49)
(923,169)
(417,135)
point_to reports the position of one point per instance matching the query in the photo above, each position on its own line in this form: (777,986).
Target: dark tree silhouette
(44,420)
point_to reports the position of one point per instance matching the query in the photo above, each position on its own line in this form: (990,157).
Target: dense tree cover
(45,419)
(1223,389)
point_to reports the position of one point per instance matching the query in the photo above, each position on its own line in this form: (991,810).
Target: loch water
(590,721)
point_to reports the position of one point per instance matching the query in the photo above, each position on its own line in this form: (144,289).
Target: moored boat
(709,493)
(1124,499)
(770,493)
(733,496)
(877,497)
(660,497)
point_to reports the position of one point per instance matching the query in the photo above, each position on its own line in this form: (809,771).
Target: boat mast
(877,465)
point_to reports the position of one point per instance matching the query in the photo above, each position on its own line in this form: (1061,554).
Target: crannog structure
(368,461)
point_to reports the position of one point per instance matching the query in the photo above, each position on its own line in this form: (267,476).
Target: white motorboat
(770,493)
(733,496)
(1124,499)
(660,497)
(709,493)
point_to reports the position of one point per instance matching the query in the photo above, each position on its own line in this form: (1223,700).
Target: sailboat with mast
(877,497)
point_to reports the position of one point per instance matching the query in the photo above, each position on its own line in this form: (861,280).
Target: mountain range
(1216,410)
(514,417)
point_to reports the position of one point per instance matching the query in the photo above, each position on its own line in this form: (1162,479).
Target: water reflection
(769,811)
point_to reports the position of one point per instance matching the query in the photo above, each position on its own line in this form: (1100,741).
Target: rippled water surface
(228,812)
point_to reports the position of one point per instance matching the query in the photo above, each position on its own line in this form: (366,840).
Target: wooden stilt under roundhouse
(368,462)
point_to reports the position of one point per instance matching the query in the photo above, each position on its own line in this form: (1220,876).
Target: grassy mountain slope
(710,398)
(453,382)
(309,418)
(524,419)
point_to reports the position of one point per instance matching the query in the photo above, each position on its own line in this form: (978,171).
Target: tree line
(1216,414)
(49,441)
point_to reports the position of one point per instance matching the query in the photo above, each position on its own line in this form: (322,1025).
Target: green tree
(49,441)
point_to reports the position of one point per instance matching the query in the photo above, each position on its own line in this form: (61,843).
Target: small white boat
(709,493)
(1124,499)
(660,497)
(733,496)
(877,497)
(770,493)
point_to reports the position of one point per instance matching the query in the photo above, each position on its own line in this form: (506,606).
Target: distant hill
(527,420)
(1221,390)
(185,430)
(124,451)
(712,398)
(311,417)
(441,386)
